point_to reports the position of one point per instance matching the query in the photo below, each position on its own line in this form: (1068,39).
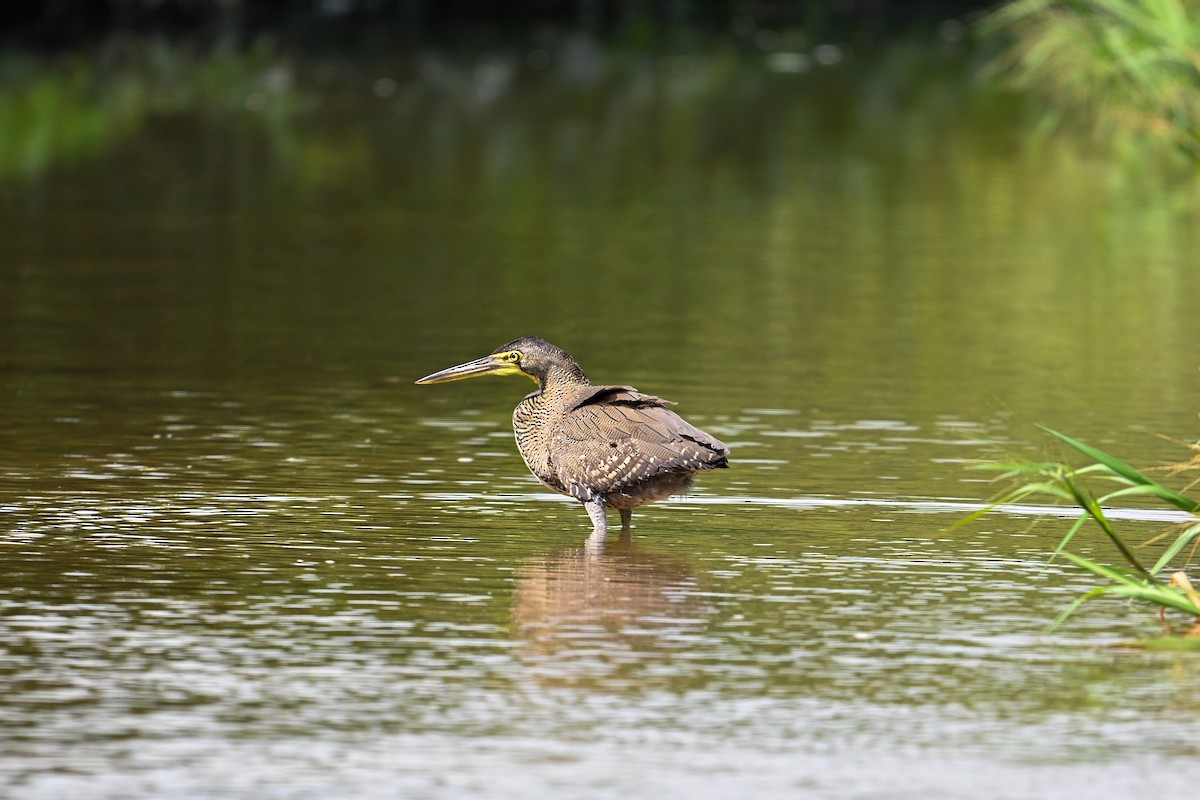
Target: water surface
(245,557)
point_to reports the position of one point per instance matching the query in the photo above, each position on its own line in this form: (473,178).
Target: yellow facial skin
(506,363)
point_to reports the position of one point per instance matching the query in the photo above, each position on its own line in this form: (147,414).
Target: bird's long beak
(488,365)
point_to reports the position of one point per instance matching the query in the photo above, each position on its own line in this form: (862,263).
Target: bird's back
(613,441)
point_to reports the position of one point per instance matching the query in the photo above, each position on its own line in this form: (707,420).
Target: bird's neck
(560,376)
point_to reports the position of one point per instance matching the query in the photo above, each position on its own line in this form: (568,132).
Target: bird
(605,446)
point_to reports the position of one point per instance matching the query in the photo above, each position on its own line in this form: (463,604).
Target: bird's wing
(615,437)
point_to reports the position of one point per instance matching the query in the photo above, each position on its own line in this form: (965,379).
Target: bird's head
(530,356)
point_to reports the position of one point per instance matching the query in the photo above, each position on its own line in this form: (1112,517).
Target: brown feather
(614,439)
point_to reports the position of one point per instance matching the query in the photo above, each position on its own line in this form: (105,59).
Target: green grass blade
(1089,504)
(1074,606)
(1112,573)
(1128,491)
(1160,596)
(1145,589)
(1070,535)
(1052,489)
(1017,469)
(1183,540)
(1129,473)
(1015,496)
(1011,497)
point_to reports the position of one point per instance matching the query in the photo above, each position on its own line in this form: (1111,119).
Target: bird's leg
(626,519)
(596,510)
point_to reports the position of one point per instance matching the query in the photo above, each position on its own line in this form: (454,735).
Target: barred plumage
(606,446)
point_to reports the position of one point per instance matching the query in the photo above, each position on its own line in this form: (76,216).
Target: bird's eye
(514,356)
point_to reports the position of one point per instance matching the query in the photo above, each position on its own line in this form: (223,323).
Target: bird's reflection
(607,614)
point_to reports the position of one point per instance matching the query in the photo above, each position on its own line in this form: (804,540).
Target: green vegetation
(1136,581)
(54,114)
(580,99)
(54,118)
(1127,69)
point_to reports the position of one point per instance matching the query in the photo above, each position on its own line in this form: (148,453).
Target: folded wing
(616,438)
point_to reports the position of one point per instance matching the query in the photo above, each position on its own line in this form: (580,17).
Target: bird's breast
(533,421)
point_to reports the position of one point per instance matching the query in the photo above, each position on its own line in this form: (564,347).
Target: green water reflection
(243,556)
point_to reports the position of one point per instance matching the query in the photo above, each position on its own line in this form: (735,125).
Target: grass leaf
(1182,541)
(1129,473)
(1112,573)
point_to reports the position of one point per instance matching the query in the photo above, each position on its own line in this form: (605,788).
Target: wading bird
(606,446)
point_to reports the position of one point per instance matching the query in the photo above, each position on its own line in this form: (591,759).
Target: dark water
(245,557)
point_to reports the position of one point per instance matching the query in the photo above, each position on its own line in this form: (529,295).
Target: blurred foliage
(52,118)
(57,113)
(1128,69)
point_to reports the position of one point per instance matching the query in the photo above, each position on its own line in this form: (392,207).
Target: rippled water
(245,557)
(193,618)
